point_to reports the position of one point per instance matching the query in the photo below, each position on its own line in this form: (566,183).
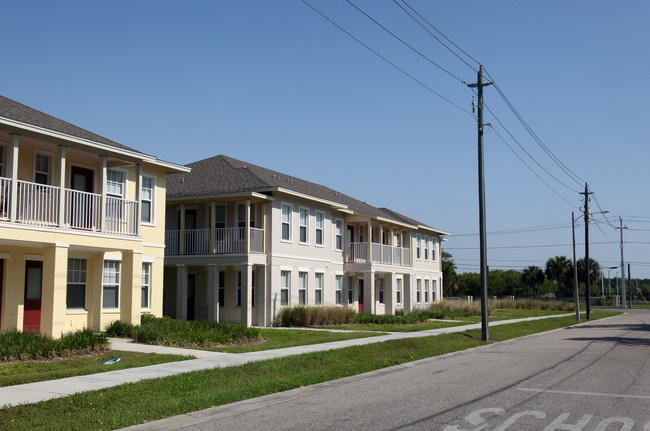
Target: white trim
(306,226)
(36,257)
(4,255)
(282,205)
(152,245)
(154,189)
(316,244)
(149,259)
(303,269)
(69,231)
(286,268)
(62,245)
(310,259)
(113,256)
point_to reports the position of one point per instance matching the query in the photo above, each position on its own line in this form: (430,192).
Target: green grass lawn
(281,338)
(36,371)
(148,400)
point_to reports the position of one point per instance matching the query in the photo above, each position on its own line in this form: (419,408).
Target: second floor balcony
(43,205)
(230,240)
(364,252)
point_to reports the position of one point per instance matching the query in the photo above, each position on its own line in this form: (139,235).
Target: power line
(518,230)
(504,247)
(386,60)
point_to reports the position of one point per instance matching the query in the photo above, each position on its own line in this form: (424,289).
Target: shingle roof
(16,111)
(225,175)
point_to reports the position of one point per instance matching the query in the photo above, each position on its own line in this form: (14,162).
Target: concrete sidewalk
(41,391)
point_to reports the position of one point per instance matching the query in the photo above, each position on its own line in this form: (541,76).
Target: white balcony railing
(257,240)
(381,253)
(38,204)
(197,241)
(5,191)
(83,210)
(228,240)
(121,216)
(171,242)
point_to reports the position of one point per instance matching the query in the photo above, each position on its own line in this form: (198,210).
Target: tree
(469,283)
(532,277)
(449,277)
(594,274)
(559,269)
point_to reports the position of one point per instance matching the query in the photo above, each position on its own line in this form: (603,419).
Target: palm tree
(532,277)
(558,269)
(594,273)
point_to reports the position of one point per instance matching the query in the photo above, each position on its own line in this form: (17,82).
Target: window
(111,285)
(2,160)
(318,296)
(397,239)
(418,297)
(238,302)
(433,249)
(426,290)
(146,199)
(350,292)
(399,291)
(418,247)
(222,286)
(285,282)
(115,184)
(338,288)
(339,235)
(241,219)
(302,288)
(286,222)
(146,285)
(320,228)
(304,226)
(426,248)
(42,169)
(380,290)
(219,217)
(76,288)
(434,290)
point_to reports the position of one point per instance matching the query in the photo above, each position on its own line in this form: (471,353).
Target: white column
(62,197)
(248,226)
(369,306)
(181,231)
(408,293)
(391,294)
(263,296)
(213,223)
(369,242)
(138,197)
(211,291)
(102,185)
(247,294)
(14,178)
(181,292)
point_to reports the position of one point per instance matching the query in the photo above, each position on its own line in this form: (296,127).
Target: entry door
(360,296)
(82,205)
(33,290)
(351,254)
(191,287)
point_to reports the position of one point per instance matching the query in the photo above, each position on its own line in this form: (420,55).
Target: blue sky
(273,83)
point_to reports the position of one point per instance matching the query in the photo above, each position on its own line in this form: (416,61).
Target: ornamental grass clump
(17,345)
(302,316)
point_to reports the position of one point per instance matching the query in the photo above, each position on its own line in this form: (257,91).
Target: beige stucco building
(81,226)
(244,241)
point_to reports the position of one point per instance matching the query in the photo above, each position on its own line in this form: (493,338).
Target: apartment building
(81,226)
(243,241)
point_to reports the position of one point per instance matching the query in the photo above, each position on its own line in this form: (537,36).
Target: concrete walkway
(41,391)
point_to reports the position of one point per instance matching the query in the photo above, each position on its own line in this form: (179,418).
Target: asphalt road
(589,377)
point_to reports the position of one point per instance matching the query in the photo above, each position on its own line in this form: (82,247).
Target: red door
(360,296)
(33,289)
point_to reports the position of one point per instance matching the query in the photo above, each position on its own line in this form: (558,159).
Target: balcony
(380,253)
(40,205)
(230,240)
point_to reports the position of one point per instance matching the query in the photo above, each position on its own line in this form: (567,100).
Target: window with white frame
(398,291)
(285,282)
(338,288)
(320,228)
(350,290)
(222,288)
(302,288)
(304,226)
(426,290)
(434,290)
(318,293)
(111,285)
(147,199)
(219,217)
(146,286)
(433,249)
(238,300)
(42,169)
(241,219)
(380,290)
(418,247)
(418,291)
(426,248)
(115,190)
(286,222)
(76,286)
(339,234)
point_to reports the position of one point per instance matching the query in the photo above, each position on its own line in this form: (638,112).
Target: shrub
(117,328)
(314,316)
(19,345)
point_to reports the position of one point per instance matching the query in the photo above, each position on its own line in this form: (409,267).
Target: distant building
(81,226)
(244,241)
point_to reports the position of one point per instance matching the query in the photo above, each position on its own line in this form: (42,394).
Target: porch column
(248,227)
(369,306)
(344,236)
(53,298)
(138,197)
(411,252)
(263,297)
(181,292)
(391,295)
(211,291)
(264,227)
(369,241)
(62,196)
(213,224)
(381,244)
(131,289)
(247,294)
(95,301)
(13,205)
(102,185)
(181,231)
(408,293)
(392,246)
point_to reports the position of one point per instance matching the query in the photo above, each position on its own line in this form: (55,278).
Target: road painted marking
(591,394)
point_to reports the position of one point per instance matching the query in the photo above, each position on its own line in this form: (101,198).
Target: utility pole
(620,220)
(576,293)
(588,281)
(481,205)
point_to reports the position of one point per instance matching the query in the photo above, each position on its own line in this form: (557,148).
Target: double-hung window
(418,297)
(398,291)
(339,289)
(76,287)
(111,285)
(115,193)
(320,228)
(380,290)
(318,293)
(222,288)
(426,290)
(426,248)
(304,226)
(42,169)
(302,288)
(241,219)
(147,199)
(350,290)
(146,286)
(339,234)
(238,303)
(286,222)
(434,290)
(433,249)
(285,282)
(418,248)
